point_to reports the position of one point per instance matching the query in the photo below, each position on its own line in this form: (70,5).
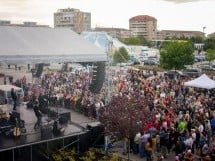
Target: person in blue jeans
(213,125)
(144,139)
(136,144)
(142,150)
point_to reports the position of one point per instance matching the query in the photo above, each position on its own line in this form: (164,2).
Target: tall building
(72,18)
(164,34)
(115,32)
(143,25)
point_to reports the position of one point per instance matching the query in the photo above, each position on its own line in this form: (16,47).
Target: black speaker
(38,70)
(98,77)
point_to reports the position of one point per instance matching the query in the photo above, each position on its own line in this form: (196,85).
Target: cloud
(13,2)
(183,1)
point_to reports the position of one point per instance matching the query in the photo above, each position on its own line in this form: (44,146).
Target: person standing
(14,98)
(37,114)
(144,139)
(137,142)
(5,80)
(149,149)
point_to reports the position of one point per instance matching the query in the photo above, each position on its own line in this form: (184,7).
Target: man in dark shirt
(14,98)
(37,114)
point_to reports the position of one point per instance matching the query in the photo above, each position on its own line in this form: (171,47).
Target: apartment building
(72,18)
(143,25)
(212,35)
(164,34)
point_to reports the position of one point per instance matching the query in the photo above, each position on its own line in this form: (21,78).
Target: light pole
(109,71)
(203,38)
(204,31)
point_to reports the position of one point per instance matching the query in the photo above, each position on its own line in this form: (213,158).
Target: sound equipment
(37,72)
(46,131)
(63,115)
(98,77)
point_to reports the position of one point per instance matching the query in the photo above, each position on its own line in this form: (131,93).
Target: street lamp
(203,37)
(204,31)
(109,71)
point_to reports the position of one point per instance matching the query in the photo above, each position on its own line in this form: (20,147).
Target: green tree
(60,155)
(121,55)
(209,44)
(176,54)
(210,55)
(196,39)
(135,41)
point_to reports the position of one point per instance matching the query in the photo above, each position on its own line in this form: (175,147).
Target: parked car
(199,58)
(192,72)
(207,67)
(174,74)
(150,62)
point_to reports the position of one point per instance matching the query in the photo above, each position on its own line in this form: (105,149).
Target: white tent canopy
(103,40)
(201,82)
(26,45)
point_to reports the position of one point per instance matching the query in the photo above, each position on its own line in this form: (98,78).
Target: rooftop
(181,31)
(143,18)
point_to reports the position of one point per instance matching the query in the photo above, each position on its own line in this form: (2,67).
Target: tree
(93,154)
(136,41)
(61,155)
(176,54)
(209,44)
(210,55)
(197,39)
(125,116)
(121,55)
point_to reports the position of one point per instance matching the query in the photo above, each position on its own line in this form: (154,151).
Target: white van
(5,96)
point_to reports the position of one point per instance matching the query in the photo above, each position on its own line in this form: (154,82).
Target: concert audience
(185,116)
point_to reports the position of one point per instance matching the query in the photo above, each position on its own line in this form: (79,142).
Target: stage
(73,124)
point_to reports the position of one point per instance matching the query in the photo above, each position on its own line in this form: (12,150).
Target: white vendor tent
(201,82)
(26,45)
(103,40)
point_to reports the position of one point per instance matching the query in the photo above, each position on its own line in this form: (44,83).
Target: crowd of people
(65,89)
(185,116)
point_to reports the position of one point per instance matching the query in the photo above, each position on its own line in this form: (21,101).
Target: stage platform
(76,124)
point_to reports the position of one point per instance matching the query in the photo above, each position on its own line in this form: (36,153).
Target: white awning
(26,45)
(201,82)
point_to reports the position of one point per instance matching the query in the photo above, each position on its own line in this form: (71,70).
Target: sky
(170,14)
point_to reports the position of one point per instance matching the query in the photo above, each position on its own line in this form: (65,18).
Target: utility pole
(109,71)
(203,38)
